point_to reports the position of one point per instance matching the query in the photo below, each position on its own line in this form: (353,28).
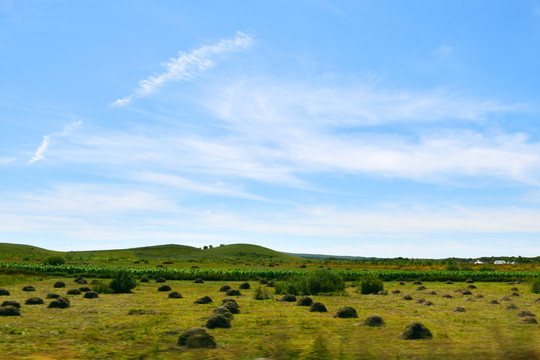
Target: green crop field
(146,324)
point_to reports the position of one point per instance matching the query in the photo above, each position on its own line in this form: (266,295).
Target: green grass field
(103,329)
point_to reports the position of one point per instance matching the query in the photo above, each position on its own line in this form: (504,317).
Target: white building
(478,262)
(499,262)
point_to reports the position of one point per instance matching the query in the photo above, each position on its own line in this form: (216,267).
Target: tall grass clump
(370,284)
(535,285)
(54,260)
(101,287)
(123,282)
(261,293)
(312,283)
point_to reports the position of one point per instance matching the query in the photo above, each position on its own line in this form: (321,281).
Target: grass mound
(231,305)
(80,280)
(34,301)
(223,310)
(203,300)
(346,312)
(233,292)
(218,321)
(59,284)
(317,307)
(288,298)
(74,292)
(529,320)
(164,288)
(175,295)
(225,288)
(198,281)
(416,331)
(9,311)
(304,301)
(91,295)
(4,292)
(160,280)
(12,303)
(459,309)
(85,289)
(60,303)
(29,288)
(52,296)
(374,320)
(197,338)
(245,286)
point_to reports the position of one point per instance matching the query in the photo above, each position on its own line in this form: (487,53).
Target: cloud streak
(39,154)
(187,65)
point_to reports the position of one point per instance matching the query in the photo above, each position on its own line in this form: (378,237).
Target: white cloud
(38,155)
(187,65)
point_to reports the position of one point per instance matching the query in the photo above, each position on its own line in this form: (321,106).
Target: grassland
(102,328)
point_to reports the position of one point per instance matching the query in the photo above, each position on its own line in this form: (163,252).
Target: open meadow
(146,323)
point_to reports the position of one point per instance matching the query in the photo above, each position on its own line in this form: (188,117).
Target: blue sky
(342,127)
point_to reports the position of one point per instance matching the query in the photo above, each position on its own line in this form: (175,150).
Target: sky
(367,128)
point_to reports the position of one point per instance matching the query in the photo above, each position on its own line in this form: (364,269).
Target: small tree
(535,286)
(54,260)
(370,284)
(123,282)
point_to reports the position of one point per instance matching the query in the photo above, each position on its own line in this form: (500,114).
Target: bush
(312,283)
(101,287)
(452,267)
(54,260)
(535,286)
(123,282)
(370,284)
(261,293)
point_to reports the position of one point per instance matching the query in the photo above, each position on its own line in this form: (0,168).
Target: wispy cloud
(187,65)
(38,155)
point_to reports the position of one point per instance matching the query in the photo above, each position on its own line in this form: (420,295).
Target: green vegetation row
(254,274)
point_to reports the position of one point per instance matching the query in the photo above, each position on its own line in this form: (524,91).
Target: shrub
(370,284)
(312,283)
(261,293)
(101,287)
(54,260)
(452,267)
(317,350)
(123,282)
(535,285)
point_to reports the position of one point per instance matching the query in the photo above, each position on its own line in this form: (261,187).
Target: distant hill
(170,251)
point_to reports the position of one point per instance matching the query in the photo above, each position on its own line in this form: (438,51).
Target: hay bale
(420,301)
(449,282)
(263,281)
(514,289)
(34,301)
(447,296)
(270,283)
(505,298)
(90,295)
(85,289)
(382,292)
(471,286)
(303,266)
(4,292)
(229,300)
(407,297)
(74,292)
(29,288)
(511,307)
(417,282)
(233,292)
(288,298)
(9,311)
(514,294)
(198,281)
(144,279)
(161,280)
(203,300)
(223,310)
(537,300)
(480,296)
(175,295)
(420,288)
(459,309)
(12,303)
(428,303)
(396,291)
(245,286)
(59,284)
(493,302)
(469,281)
(52,296)
(218,321)
(469,300)
(317,307)
(416,331)
(225,288)
(346,312)
(401,283)
(80,280)
(466,292)
(528,320)
(524,313)
(60,303)
(164,288)
(374,320)
(304,301)
(197,338)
